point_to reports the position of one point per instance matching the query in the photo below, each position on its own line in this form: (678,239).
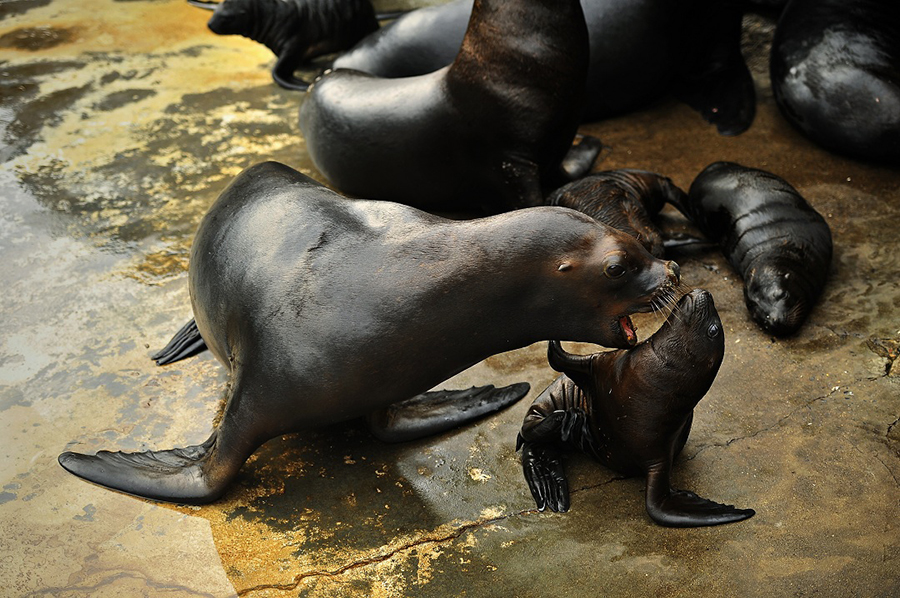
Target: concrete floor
(122,120)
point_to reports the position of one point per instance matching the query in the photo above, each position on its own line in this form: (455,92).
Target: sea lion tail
(190,475)
(187,342)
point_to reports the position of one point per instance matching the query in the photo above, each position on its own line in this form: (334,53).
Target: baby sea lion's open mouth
(629,330)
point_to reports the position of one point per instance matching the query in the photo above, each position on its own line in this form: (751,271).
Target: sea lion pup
(835,70)
(296,31)
(770,235)
(632,411)
(488,132)
(325,309)
(625,199)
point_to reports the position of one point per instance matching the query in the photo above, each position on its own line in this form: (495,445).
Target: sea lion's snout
(673,271)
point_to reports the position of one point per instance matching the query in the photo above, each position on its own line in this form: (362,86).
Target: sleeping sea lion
(632,411)
(490,131)
(770,235)
(325,309)
(835,71)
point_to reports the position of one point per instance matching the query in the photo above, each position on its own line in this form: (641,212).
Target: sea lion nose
(674,271)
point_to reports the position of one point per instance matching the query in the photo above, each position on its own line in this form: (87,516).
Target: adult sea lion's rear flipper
(191,475)
(717,82)
(438,411)
(173,475)
(187,342)
(543,468)
(680,508)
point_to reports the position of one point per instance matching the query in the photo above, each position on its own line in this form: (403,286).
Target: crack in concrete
(383,557)
(767,428)
(298,579)
(890,428)
(877,458)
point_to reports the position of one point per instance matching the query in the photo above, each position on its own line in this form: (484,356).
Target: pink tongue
(628,329)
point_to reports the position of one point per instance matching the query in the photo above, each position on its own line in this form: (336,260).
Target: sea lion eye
(712,331)
(614,271)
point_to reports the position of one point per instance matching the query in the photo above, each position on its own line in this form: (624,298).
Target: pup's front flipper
(680,508)
(546,477)
(438,411)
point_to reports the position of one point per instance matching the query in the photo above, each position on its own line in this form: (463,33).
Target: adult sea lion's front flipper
(717,82)
(434,412)
(681,508)
(187,342)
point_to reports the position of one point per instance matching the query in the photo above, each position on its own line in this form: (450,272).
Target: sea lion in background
(625,199)
(835,69)
(296,31)
(770,235)
(490,131)
(632,411)
(325,309)
(639,50)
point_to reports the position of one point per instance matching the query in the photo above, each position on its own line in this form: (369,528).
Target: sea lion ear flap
(568,363)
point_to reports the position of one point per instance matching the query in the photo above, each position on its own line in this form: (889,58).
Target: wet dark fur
(632,411)
(625,199)
(296,30)
(324,309)
(835,71)
(775,240)
(489,132)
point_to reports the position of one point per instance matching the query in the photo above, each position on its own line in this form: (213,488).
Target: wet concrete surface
(120,122)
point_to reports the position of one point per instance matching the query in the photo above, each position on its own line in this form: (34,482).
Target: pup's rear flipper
(680,508)
(191,475)
(187,342)
(438,411)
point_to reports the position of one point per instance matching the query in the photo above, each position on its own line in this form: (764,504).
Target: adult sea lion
(490,131)
(770,235)
(632,411)
(835,70)
(325,309)
(639,49)
(625,199)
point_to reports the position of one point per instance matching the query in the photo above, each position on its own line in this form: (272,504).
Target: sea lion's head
(776,298)
(616,277)
(232,17)
(692,339)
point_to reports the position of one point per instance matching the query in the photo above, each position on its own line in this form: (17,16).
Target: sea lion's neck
(513,41)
